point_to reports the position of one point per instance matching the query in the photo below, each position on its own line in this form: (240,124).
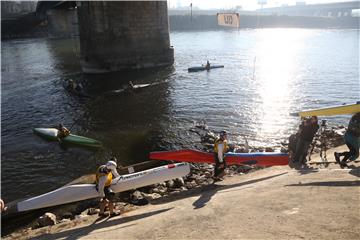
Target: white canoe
(74,193)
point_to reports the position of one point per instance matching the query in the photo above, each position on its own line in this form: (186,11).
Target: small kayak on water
(51,134)
(203,68)
(134,88)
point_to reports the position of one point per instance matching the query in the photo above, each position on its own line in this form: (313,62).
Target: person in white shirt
(104,177)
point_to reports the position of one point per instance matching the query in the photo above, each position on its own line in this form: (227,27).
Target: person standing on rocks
(220,148)
(352,140)
(104,177)
(307,129)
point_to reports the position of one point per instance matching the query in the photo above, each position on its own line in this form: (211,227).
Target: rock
(170,184)
(137,198)
(48,219)
(244,168)
(189,185)
(152,196)
(284,150)
(154,190)
(92,211)
(208,174)
(80,216)
(179,182)
(200,180)
(136,195)
(269,149)
(65,220)
(68,215)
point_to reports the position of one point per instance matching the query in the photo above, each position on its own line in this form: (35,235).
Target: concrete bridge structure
(114,35)
(340,9)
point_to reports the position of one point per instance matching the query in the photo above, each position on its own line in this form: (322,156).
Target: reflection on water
(268,73)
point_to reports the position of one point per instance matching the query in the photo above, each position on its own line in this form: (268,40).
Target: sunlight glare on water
(274,77)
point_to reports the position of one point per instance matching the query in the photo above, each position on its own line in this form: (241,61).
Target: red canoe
(195,156)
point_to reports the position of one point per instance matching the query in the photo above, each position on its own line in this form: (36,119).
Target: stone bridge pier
(123,35)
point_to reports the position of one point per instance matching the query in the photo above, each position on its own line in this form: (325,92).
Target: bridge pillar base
(115,36)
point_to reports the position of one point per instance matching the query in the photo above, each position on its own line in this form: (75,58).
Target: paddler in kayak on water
(104,176)
(130,87)
(62,133)
(74,87)
(220,148)
(207,66)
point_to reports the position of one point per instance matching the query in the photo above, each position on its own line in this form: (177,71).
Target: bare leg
(103,203)
(111,207)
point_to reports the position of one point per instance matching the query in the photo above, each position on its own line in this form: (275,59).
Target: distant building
(340,9)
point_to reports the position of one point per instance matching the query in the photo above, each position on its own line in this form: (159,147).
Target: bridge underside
(123,35)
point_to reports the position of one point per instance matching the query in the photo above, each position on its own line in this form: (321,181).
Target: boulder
(152,196)
(67,215)
(170,184)
(92,211)
(48,219)
(178,182)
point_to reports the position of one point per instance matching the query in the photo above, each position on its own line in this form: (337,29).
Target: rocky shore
(200,176)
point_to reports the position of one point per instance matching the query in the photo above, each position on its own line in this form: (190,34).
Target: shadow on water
(98,224)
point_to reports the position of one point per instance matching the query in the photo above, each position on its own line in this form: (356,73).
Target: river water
(268,74)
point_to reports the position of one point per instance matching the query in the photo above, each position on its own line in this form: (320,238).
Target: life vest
(216,145)
(101,171)
(63,132)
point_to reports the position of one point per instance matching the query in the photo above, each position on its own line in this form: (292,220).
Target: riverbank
(276,202)
(200,176)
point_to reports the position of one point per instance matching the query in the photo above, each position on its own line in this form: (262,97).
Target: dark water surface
(268,73)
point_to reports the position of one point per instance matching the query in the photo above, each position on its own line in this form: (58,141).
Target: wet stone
(48,219)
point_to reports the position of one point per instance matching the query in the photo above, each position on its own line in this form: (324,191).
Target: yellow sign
(229,19)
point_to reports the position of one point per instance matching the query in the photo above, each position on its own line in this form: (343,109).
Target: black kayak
(202,68)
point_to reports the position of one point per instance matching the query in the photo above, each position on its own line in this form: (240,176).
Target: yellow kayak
(329,111)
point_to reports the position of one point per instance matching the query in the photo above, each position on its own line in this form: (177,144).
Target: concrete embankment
(272,203)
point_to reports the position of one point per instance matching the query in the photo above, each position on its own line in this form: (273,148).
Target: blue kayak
(202,68)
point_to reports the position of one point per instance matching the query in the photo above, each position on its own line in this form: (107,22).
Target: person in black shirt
(351,138)
(307,129)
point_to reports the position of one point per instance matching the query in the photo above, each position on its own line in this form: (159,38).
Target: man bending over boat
(352,140)
(220,148)
(104,176)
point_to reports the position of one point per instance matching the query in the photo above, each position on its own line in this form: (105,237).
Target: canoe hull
(79,192)
(198,69)
(195,156)
(330,111)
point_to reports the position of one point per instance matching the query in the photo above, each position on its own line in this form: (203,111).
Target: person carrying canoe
(352,140)
(207,66)
(220,148)
(62,132)
(104,176)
